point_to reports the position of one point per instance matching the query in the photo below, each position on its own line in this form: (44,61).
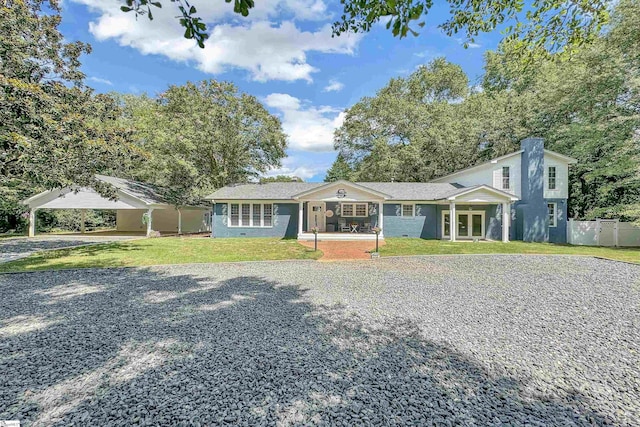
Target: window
(355,209)
(552,214)
(505,177)
(407,210)
(250,215)
(552,177)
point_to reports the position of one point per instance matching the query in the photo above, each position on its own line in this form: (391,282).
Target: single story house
(520,196)
(133,201)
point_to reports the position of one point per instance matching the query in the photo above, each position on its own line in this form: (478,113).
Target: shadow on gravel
(135,346)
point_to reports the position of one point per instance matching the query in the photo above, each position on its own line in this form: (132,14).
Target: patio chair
(366,228)
(342,223)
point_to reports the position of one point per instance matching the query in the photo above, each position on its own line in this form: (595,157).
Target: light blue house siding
(558,234)
(285,223)
(427,222)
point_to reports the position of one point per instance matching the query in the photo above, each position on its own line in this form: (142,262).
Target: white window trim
(555,215)
(464,211)
(354,210)
(251,222)
(508,187)
(413,210)
(555,178)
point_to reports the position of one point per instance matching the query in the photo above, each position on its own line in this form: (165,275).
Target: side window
(407,210)
(552,214)
(505,178)
(552,177)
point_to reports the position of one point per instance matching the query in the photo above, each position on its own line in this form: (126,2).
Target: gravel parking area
(21,247)
(464,340)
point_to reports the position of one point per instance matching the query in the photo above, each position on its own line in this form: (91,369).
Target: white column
(83,220)
(453,221)
(32,223)
(506,219)
(149,222)
(381,217)
(179,221)
(300,216)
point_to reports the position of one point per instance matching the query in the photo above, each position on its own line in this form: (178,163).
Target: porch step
(338,236)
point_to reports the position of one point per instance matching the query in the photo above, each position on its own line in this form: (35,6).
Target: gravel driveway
(21,247)
(467,340)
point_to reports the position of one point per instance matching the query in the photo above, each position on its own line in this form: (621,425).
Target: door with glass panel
(469,225)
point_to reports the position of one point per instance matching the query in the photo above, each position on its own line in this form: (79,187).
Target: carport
(136,203)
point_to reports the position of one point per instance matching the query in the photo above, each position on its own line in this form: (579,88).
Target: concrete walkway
(337,250)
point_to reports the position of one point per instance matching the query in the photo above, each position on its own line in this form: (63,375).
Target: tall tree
(548,26)
(203,136)
(54,131)
(340,169)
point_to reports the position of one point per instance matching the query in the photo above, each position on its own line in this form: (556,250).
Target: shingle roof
(288,190)
(146,192)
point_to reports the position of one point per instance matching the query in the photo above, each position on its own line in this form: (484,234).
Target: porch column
(83,220)
(453,221)
(32,223)
(381,217)
(150,220)
(506,219)
(179,221)
(300,216)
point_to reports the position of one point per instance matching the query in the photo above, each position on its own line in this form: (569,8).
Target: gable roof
(292,190)
(569,160)
(342,182)
(148,193)
(467,190)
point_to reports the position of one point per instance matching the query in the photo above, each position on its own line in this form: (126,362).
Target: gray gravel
(477,340)
(21,247)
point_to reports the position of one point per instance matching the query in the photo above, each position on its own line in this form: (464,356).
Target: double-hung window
(408,210)
(505,178)
(250,214)
(552,214)
(552,177)
(355,209)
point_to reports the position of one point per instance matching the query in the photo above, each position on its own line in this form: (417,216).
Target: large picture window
(355,209)
(250,214)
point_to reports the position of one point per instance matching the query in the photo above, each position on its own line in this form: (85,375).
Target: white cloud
(102,81)
(267,50)
(298,166)
(309,128)
(474,45)
(471,45)
(333,86)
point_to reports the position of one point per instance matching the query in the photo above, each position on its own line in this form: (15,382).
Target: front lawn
(408,246)
(167,250)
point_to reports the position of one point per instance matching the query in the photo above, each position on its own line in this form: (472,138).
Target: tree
(548,26)
(340,169)
(54,130)
(280,178)
(203,136)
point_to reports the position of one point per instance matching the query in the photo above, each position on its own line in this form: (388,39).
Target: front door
(316,216)
(469,225)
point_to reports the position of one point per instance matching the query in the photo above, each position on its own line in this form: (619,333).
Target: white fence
(603,232)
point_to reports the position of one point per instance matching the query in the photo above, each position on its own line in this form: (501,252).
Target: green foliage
(339,170)
(280,178)
(203,136)
(51,123)
(538,27)
(428,124)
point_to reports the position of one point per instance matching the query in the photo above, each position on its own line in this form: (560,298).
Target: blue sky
(283,53)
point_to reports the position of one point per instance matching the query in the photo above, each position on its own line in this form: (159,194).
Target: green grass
(167,250)
(408,246)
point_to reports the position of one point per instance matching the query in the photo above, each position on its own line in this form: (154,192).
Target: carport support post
(32,223)
(506,217)
(179,222)
(149,221)
(83,219)
(453,221)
